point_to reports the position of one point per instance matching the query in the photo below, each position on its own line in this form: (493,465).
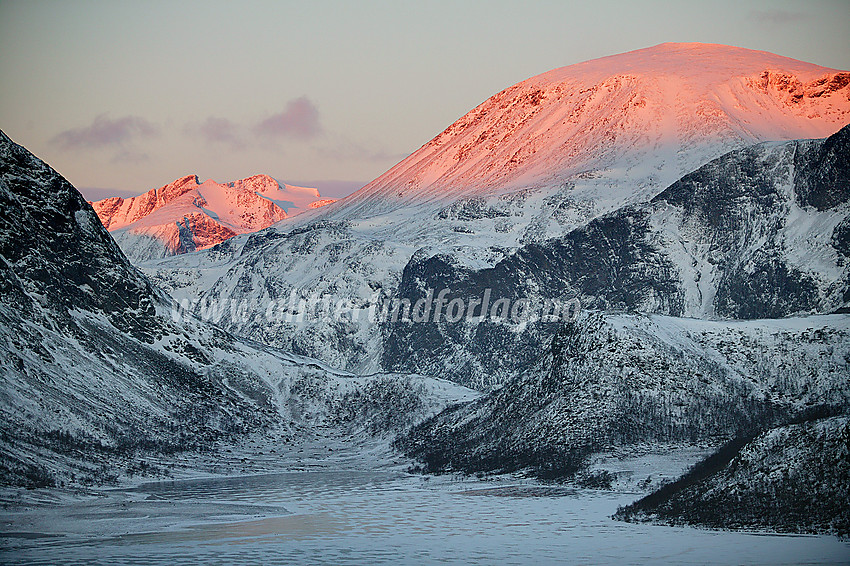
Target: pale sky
(127,96)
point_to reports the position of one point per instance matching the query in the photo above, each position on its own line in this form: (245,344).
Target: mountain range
(586,152)
(693,199)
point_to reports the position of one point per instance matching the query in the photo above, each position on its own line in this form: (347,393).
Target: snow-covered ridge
(616,379)
(188,215)
(792,478)
(97,374)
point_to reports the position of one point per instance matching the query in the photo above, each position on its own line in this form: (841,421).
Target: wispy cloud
(219,130)
(300,119)
(106,132)
(776,17)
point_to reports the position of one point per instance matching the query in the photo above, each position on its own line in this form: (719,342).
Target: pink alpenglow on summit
(188,215)
(618,129)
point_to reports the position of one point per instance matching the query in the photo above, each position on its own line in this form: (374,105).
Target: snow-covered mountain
(646,117)
(98,371)
(679,181)
(535,162)
(188,215)
(618,380)
(760,232)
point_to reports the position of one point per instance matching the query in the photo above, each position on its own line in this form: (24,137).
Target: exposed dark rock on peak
(53,242)
(822,171)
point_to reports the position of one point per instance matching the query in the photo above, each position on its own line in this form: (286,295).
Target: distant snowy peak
(188,215)
(117,212)
(646,116)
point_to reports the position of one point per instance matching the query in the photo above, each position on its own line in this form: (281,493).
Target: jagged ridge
(188,215)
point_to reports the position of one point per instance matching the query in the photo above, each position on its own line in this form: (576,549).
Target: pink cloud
(219,130)
(300,119)
(105,132)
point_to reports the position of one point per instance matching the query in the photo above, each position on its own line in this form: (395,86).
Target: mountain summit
(188,215)
(646,116)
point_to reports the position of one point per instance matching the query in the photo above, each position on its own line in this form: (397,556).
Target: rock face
(188,215)
(757,233)
(617,380)
(56,255)
(79,325)
(97,372)
(549,181)
(793,478)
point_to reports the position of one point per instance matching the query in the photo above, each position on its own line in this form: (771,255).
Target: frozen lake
(373,517)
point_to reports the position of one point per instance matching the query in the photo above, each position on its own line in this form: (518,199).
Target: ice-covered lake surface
(375,517)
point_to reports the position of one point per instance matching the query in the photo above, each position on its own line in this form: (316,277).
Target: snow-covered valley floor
(340,504)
